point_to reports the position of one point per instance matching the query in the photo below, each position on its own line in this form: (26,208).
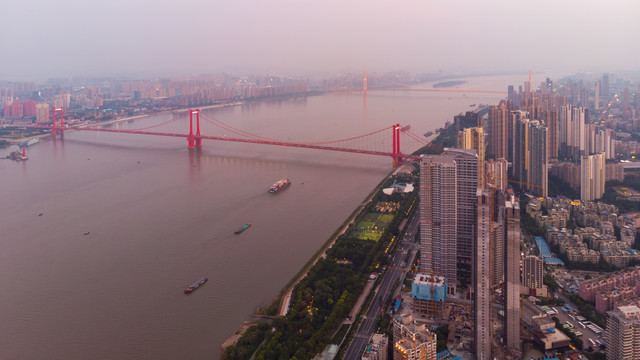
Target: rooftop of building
(630,311)
(428,279)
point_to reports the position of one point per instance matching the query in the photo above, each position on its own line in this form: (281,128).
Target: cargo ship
(280,185)
(28,142)
(195,285)
(245,227)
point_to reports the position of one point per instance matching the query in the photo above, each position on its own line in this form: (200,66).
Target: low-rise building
(412,341)
(377,348)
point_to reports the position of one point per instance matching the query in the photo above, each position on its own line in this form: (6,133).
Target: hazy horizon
(166,38)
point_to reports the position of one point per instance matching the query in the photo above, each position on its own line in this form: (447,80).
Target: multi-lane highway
(394,273)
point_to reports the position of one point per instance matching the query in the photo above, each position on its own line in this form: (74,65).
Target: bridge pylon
(198,135)
(54,128)
(397,159)
(364,83)
(191,139)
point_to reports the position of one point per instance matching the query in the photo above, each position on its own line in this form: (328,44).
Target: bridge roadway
(394,273)
(249,141)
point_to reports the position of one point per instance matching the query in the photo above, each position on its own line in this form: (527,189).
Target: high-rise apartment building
(623,333)
(496,173)
(596,99)
(42,113)
(29,108)
(473,138)
(530,161)
(550,119)
(532,272)
(577,144)
(439,217)
(498,146)
(497,266)
(592,177)
(520,121)
(537,159)
(571,124)
(482,277)
(466,185)
(564,132)
(512,275)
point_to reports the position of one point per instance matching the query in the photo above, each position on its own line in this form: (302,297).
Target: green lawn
(371,217)
(386,219)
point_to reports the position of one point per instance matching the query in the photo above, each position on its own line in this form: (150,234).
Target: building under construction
(429,292)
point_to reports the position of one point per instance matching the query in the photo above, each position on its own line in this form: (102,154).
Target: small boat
(195,285)
(243,228)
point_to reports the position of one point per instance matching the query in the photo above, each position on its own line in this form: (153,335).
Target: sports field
(372,226)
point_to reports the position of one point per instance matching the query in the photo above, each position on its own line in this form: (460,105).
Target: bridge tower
(397,159)
(364,82)
(191,139)
(53,129)
(198,135)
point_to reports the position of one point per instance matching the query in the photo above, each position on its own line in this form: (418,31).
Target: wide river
(128,221)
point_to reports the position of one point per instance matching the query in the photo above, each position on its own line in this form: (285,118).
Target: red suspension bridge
(383,142)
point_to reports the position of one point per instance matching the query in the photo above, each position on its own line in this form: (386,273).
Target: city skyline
(164,39)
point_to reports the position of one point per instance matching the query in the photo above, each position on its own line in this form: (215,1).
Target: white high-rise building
(577,133)
(438,215)
(592,177)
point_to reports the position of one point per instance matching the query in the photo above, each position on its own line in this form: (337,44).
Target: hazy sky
(45,38)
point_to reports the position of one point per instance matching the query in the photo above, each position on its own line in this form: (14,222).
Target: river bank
(14,141)
(168,214)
